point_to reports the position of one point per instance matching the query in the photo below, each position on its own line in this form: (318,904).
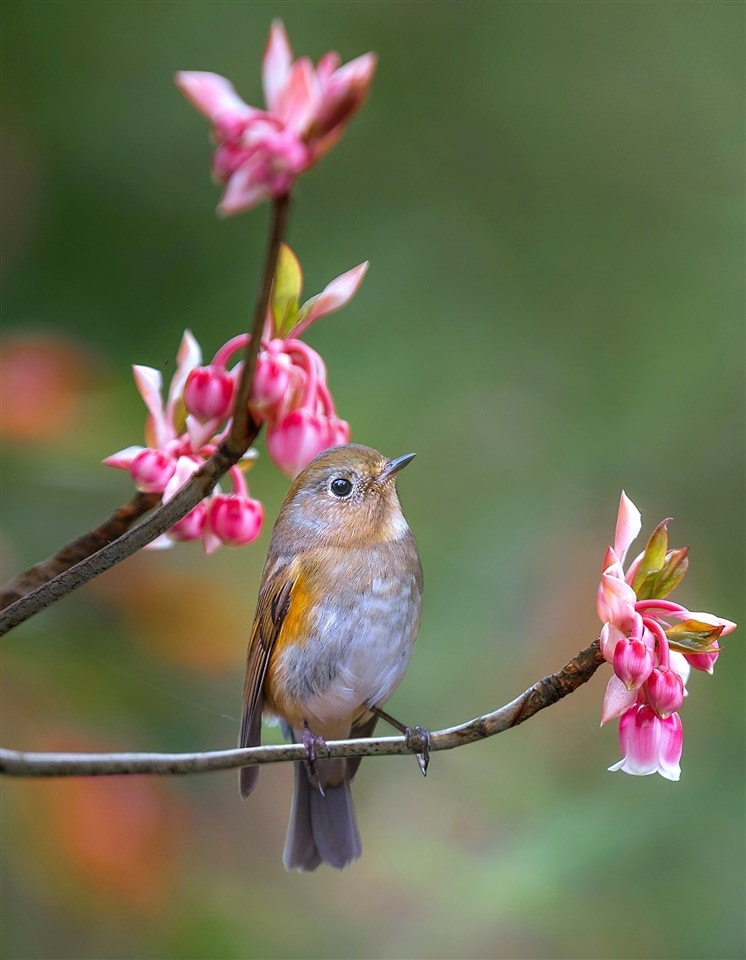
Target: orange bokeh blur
(115,838)
(43,379)
(187,618)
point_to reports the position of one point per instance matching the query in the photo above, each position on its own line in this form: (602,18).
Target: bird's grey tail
(323,827)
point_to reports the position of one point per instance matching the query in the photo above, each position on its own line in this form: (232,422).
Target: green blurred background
(551,198)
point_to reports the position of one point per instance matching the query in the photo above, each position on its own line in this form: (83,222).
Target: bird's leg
(312,743)
(418,739)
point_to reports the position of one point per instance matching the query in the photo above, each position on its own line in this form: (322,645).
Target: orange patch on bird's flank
(294,630)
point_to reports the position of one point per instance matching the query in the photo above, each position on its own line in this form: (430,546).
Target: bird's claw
(313,745)
(418,741)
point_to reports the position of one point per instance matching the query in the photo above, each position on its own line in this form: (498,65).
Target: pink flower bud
(192,526)
(633,660)
(208,393)
(151,470)
(235,519)
(703,661)
(297,438)
(664,691)
(274,379)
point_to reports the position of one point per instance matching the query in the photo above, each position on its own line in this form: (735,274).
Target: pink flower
(651,643)
(650,744)
(301,435)
(208,393)
(705,661)
(277,384)
(261,152)
(235,519)
(664,691)
(633,661)
(151,470)
(192,526)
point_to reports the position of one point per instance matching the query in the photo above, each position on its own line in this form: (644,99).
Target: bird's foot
(418,741)
(313,746)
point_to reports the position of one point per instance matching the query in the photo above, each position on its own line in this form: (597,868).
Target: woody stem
(540,695)
(243,430)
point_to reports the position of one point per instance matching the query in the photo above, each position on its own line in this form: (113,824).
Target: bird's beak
(394,466)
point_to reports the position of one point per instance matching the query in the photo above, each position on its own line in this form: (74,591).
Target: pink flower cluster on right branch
(652,644)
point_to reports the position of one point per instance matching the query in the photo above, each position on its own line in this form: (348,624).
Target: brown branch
(539,696)
(243,433)
(80,548)
(242,425)
(134,539)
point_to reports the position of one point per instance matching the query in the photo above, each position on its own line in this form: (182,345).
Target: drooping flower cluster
(289,394)
(652,644)
(261,152)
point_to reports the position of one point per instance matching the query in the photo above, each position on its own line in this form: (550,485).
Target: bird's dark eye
(341,487)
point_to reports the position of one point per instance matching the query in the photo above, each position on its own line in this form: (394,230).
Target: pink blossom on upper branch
(651,643)
(260,152)
(289,394)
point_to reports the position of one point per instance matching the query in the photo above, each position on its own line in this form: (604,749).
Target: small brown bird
(335,625)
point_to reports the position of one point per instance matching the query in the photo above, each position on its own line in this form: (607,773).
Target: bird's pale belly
(355,654)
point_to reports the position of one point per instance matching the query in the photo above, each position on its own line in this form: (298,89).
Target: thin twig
(240,435)
(200,484)
(539,696)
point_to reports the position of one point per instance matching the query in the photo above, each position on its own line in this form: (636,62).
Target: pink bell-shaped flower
(664,691)
(235,519)
(208,393)
(297,439)
(633,661)
(151,470)
(192,526)
(276,379)
(650,744)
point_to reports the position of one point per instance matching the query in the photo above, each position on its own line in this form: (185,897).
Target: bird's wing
(271,610)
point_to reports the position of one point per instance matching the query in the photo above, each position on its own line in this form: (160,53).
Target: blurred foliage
(551,198)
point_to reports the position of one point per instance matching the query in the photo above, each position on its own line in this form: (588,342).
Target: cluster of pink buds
(261,152)
(173,454)
(652,644)
(289,390)
(289,394)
